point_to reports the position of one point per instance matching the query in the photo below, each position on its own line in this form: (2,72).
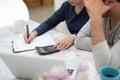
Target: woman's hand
(66,42)
(33,34)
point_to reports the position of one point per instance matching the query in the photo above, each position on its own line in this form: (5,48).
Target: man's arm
(100,48)
(97,32)
(83,39)
(102,53)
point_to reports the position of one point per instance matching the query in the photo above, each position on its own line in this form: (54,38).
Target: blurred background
(40,10)
(36,10)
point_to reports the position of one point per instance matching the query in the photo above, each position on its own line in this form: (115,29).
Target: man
(101,34)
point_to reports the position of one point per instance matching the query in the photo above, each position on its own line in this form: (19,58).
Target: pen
(28,35)
(12,46)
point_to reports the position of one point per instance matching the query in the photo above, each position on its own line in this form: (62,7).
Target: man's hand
(97,8)
(33,34)
(65,43)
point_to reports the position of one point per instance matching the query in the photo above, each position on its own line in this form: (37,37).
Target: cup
(109,73)
(19,26)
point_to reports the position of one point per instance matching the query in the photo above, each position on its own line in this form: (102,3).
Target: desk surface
(7,35)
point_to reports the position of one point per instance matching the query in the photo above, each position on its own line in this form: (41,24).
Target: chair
(12,10)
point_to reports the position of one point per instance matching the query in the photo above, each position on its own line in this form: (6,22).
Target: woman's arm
(54,20)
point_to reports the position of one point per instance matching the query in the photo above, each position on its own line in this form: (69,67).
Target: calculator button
(51,49)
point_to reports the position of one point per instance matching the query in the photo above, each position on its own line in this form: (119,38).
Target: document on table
(19,45)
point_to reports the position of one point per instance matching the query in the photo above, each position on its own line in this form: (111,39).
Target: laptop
(28,67)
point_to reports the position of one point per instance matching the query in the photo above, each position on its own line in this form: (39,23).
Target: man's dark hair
(118,0)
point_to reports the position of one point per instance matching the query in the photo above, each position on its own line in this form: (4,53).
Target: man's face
(108,2)
(74,2)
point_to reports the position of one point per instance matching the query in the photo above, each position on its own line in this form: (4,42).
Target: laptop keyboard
(70,71)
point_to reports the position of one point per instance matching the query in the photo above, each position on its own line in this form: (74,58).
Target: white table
(7,35)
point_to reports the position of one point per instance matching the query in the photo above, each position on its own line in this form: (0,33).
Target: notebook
(28,67)
(19,45)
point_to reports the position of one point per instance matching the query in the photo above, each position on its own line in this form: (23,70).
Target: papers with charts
(19,45)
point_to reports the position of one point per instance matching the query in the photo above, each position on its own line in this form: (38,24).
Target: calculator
(46,50)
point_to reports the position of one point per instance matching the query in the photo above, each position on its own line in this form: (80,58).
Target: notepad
(19,45)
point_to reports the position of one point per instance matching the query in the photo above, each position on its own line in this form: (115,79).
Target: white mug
(19,26)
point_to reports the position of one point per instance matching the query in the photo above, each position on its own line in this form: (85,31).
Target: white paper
(43,40)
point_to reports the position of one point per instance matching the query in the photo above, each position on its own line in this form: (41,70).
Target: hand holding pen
(28,37)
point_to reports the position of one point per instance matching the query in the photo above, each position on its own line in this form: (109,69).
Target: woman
(71,11)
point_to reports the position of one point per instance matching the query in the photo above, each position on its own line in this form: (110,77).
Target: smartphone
(46,50)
